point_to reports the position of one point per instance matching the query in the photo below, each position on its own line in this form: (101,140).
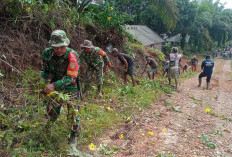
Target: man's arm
(126,64)
(202,65)
(105,57)
(180,62)
(145,68)
(65,81)
(147,64)
(81,58)
(45,70)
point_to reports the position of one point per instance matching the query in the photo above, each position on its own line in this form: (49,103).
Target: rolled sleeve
(106,59)
(65,81)
(45,70)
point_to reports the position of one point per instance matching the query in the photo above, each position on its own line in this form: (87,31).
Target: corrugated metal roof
(144,34)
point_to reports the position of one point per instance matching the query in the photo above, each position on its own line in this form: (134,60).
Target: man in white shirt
(175,60)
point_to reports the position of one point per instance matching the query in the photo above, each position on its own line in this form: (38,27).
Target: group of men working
(60,69)
(171,67)
(227,54)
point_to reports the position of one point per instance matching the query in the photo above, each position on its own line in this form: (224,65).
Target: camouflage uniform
(95,61)
(55,68)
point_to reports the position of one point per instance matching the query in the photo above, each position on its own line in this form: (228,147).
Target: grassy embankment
(25,130)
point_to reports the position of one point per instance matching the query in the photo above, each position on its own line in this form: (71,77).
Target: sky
(228,5)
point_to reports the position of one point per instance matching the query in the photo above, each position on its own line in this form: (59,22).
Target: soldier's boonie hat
(87,44)
(115,50)
(59,39)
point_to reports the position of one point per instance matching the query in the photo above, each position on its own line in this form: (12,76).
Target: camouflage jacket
(95,58)
(55,68)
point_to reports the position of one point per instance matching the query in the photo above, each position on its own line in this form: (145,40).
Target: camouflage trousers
(98,71)
(54,109)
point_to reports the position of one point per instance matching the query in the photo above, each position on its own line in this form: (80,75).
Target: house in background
(145,35)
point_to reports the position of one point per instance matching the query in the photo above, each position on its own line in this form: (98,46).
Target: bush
(61,15)
(167,48)
(105,16)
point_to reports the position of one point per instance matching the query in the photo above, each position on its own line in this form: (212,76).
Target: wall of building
(157,45)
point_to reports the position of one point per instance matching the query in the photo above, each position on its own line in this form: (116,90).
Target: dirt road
(178,120)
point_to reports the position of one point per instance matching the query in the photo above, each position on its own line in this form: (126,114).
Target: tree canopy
(207,22)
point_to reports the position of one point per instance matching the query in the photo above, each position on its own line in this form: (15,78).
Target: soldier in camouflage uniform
(94,58)
(60,68)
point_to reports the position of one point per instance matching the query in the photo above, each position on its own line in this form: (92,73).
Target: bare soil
(175,132)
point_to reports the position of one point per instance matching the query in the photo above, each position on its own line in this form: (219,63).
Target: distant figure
(166,67)
(194,63)
(216,53)
(207,67)
(230,54)
(153,67)
(129,65)
(174,71)
(185,68)
(224,54)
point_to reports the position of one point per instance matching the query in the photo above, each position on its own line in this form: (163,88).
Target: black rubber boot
(99,89)
(208,83)
(73,137)
(74,132)
(200,80)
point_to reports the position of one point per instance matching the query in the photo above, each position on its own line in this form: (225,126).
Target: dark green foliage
(159,15)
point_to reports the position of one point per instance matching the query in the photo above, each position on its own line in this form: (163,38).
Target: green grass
(26,131)
(123,102)
(187,75)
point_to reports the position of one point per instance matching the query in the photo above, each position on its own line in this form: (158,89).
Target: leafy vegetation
(26,130)
(218,132)
(207,141)
(206,22)
(165,155)
(24,126)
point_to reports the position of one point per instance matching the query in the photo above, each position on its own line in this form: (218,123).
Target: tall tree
(160,15)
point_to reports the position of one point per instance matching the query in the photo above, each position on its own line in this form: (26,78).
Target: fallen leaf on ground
(150,133)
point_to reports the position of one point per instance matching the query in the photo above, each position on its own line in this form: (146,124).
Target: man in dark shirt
(129,65)
(207,67)
(194,63)
(153,67)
